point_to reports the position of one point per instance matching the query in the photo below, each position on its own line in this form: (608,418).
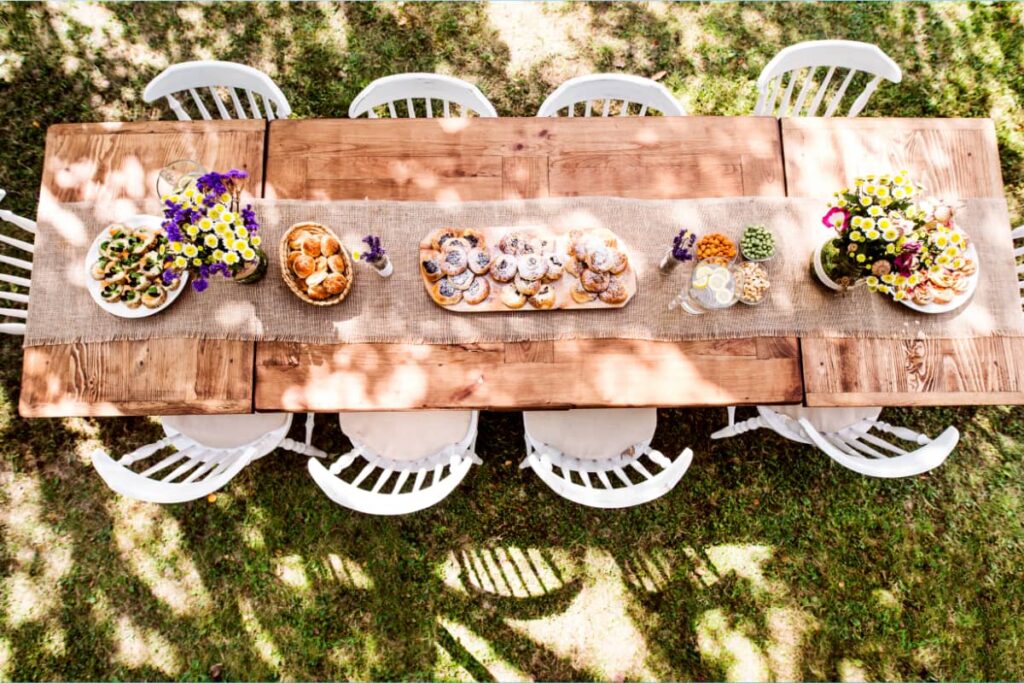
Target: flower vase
(832,269)
(252,271)
(383,266)
(668,263)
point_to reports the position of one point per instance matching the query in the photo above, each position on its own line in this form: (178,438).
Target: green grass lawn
(767,561)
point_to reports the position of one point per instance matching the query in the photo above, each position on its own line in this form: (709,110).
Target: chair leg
(302,449)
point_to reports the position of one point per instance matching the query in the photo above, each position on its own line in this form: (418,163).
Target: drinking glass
(178,176)
(712,287)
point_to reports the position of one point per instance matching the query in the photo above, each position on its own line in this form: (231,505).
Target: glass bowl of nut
(752,283)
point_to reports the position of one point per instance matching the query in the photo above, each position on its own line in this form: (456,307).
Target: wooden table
(465,159)
(950,157)
(117,164)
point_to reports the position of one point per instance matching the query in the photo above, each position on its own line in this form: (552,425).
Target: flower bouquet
(375,255)
(682,251)
(896,246)
(210,233)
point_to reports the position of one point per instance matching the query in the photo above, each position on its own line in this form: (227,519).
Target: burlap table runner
(397,309)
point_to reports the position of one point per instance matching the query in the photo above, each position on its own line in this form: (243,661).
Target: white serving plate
(95,288)
(957,302)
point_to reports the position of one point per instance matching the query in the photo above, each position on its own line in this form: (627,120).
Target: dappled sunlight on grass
(731,647)
(149,541)
(261,640)
(481,652)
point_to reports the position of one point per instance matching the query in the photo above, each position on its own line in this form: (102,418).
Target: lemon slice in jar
(723,296)
(718,280)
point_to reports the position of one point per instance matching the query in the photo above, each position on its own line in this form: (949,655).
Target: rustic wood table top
(469,159)
(473,159)
(117,163)
(952,158)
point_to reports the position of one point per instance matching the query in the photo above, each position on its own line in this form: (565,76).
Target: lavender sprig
(374,251)
(682,246)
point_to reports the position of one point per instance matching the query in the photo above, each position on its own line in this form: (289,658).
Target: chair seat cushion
(225,431)
(407,436)
(596,434)
(829,419)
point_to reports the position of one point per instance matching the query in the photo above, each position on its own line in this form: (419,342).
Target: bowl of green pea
(757,243)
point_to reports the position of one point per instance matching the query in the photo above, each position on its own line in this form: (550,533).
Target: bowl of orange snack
(716,246)
(315,264)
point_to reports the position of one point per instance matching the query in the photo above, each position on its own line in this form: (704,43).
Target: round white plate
(958,301)
(95,288)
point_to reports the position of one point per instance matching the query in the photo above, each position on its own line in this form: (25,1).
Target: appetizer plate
(119,309)
(958,301)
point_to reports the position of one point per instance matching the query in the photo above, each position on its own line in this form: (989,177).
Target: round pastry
(960,283)
(503,268)
(479,260)
(316,278)
(513,243)
(555,267)
(600,258)
(478,290)
(456,243)
(445,293)
(292,256)
(545,298)
(619,262)
(615,293)
(970,267)
(318,292)
(311,246)
(337,264)
(329,245)
(430,265)
(441,237)
(527,287)
(942,295)
(531,266)
(580,247)
(474,238)
(153,297)
(511,297)
(335,283)
(99,269)
(941,278)
(574,266)
(321,264)
(297,238)
(594,282)
(463,280)
(304,266)
(580,295)
(454,261)
(131,298)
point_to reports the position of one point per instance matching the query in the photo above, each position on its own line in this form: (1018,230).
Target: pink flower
(827,220)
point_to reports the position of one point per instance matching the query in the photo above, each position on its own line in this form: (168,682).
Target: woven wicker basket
(292,280)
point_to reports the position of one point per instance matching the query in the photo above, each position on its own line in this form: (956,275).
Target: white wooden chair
(633,93)
(852,437)
(603,456)
(1018,234)
(803,62)
(400,450)
(209,451)
(452,94)
(190,79)
(18,300)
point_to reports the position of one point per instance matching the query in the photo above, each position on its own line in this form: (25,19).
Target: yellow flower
(942,260)
(856,236)
(231,258)
(899,180)
(176,247)
(901,280)
(228,217)
(884,223)
(882,192)
(868,223)
(891,234)
(355,255)
(225,198)
(958,263)
(191,250)
(872,281)
(248,254)
(205,224)
(841,203)
(218,255)
(241,232)
(180,262)
(189,193)
(861,258)
(900,295)
(908,190)
(875,211)
(211,241)
(956,238)
(240,245)
(192,231)
(890,249)
(865,201)
(216,211)
(873,234)
(855,221)
(898,193)
(885,202)
(256,240)
(888,278)
(857,182)
(197,262)
(869,189)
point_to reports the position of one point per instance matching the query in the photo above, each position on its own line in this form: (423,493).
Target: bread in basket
(315,264)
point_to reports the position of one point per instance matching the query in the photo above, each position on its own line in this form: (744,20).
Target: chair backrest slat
(854,57)
(16,243)
(221,109)
(12,328)
(15,280)
(410,87)
(14,313)
(213,75)
(15,297)
(16,262)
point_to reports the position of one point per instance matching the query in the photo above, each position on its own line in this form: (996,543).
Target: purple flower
(374,251)
(904,262)
(682,245)
(200,284)
(827,220)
